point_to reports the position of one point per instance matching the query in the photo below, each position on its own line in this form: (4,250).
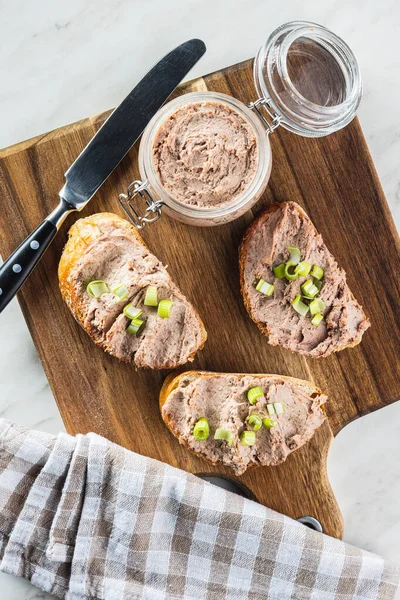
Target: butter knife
(100,157)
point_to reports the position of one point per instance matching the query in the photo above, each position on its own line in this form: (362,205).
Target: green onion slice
(299,306)
(135,326)
(201,430)
(224,434)
(316,320)
(265,288)
(317,272)
(121,291)
(255,422)
(150,298)
(309,289)
(290,271)
(317,306)
(131,312)
(279,271)
(97,288)
(303,268)
(268,423)
(294,255)
(270,409)
(318,284)
(164,309)
(253,394)
(248,438)
(279,408)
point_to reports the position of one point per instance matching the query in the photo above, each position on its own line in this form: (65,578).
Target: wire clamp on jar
(274,116)
(153,210)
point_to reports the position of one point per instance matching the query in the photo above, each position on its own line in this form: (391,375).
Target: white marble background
(62,60)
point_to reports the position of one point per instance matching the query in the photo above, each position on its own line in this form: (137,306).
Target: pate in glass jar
(205,158)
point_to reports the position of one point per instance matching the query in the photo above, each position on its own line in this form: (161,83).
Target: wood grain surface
(334,179)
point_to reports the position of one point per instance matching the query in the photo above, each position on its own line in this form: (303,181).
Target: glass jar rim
(146,163)
(312,119)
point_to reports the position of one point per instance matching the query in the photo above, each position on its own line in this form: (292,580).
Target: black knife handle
(23,260)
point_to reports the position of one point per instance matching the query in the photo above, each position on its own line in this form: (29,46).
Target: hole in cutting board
(228,484)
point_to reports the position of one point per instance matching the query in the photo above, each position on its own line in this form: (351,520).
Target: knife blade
(99,158)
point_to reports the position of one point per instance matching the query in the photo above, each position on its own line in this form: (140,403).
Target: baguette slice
(264,246)
(222,399)
(106,247)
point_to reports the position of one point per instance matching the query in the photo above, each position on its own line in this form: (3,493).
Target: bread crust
(260,220)
(172,381)
(81,235)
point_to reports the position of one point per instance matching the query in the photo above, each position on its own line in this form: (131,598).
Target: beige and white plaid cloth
(82,518)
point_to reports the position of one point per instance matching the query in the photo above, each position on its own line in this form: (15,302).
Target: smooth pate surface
(222,399)
(205,154)
(116,258)
(344,320)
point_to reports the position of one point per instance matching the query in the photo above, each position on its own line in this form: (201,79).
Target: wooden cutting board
(334,179)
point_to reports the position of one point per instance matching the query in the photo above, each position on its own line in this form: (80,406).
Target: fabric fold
(83,518)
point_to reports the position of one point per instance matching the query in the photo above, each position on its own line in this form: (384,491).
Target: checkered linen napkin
(82,518)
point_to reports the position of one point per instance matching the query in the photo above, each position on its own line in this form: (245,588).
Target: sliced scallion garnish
(265,288)
(309,289)
(248,438)
(131,312)
(317,272)
(97,288)
(317,306)
(299,306)
(303,268)
(279,271)
(290,271)
(121,291)
(150,298)
(201,430)
(294,255)
(316,320)
(164,309)
(255,422)
(254,393)
(279,408)
(318,284)
(270,409)
(135,326)
(223,434)
(268,423)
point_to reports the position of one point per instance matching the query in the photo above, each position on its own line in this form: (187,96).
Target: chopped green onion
(150,298)
(97,288)
(270,409)
(265,288)
(121,291)
(255,422)
(268,423)
(318,284)
(317,272)
(290,272)
(248,438)
(299,306)
(201,430)
(224,434)
(309,289)
(294,255)
(131,312)
(303,268)
(164,309)
(317,306)
(317,319)
(135,326)
(253,394)
(279,271)
(279,408)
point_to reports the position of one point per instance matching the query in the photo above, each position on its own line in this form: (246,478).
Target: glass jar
(308,82)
